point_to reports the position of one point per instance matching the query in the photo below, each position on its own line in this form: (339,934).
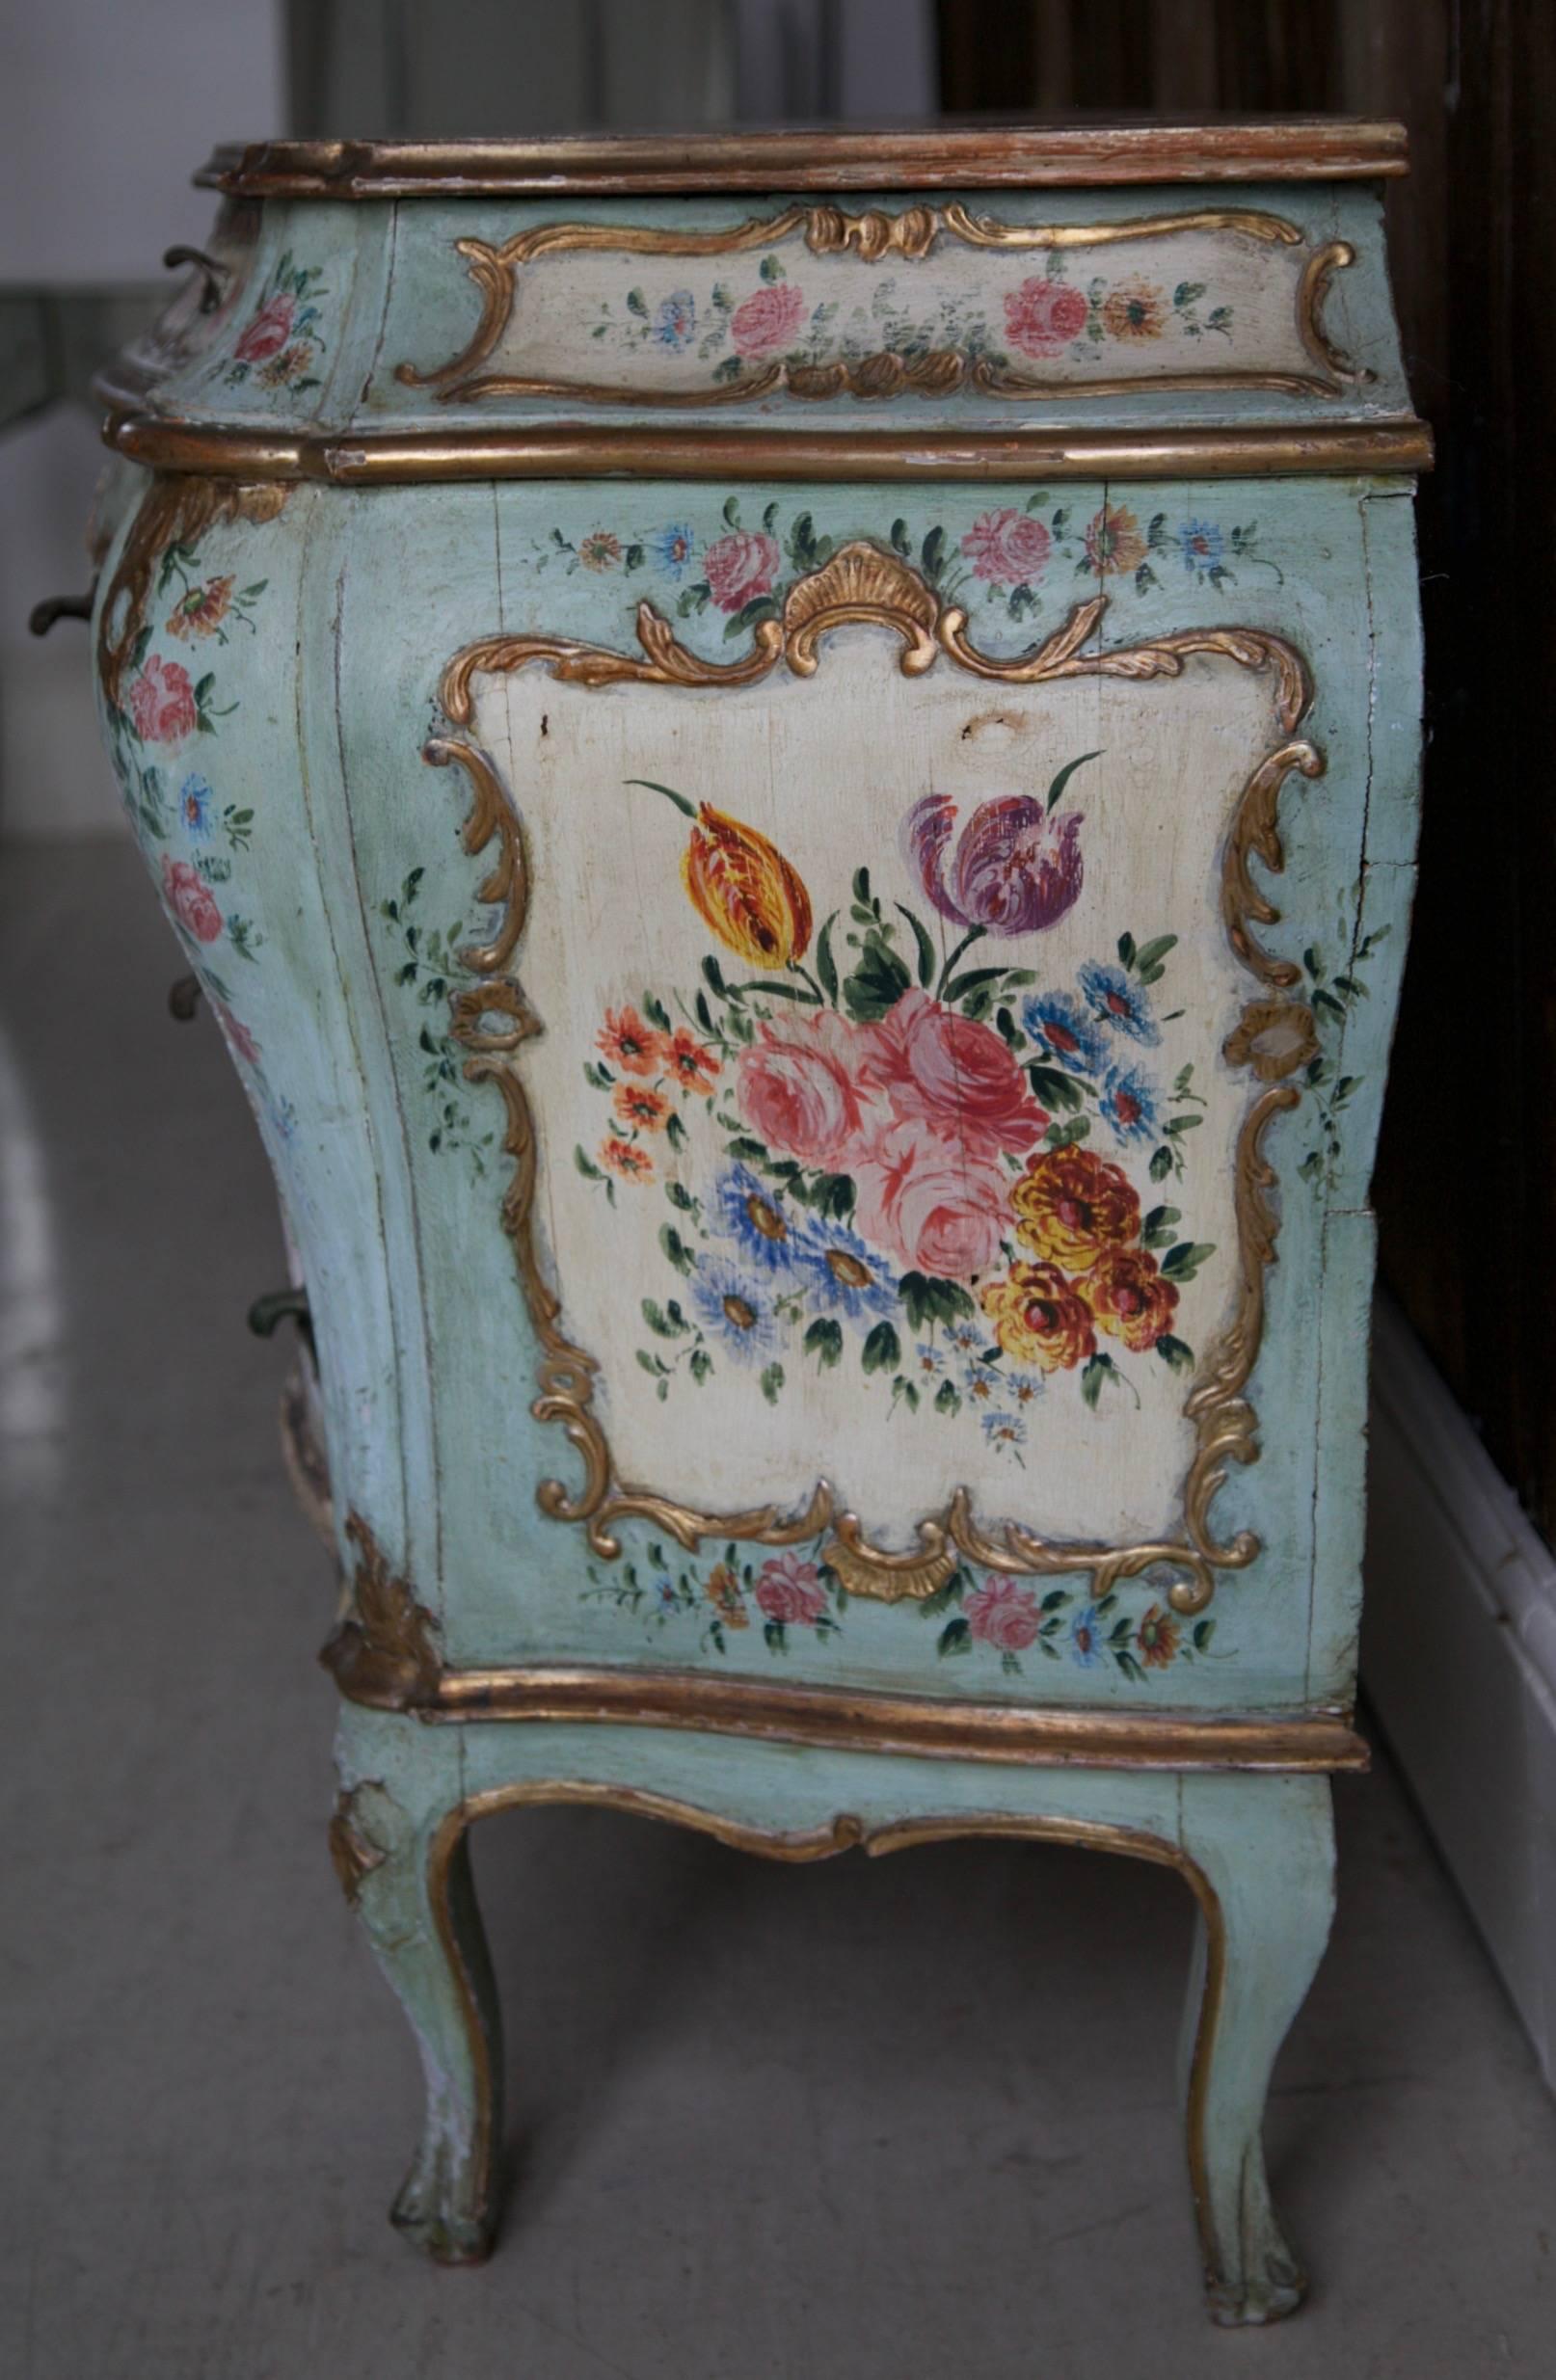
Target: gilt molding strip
(863,583)
(911,234)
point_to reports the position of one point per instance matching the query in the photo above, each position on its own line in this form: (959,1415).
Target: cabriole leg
(406,1872)
(1265,1848)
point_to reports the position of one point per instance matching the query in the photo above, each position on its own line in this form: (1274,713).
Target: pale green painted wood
(1264,1847)
(389,1165)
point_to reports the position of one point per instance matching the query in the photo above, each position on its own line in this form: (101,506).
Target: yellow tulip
(741,886)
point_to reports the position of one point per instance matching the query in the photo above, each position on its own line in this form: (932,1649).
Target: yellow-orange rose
(1129,1296)
(1071,1206)
(1037,1316)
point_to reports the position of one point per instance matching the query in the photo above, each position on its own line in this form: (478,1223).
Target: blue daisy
(1087,1648)
(1024,1387)
(1202,548)
(1005,1431)
(930,1359)
(196,807)
(676,318)
(1118,1003)
(752,1213)
(982,1383)
(842,1272)
(673,547)
(966,1338)
(736,1309)
(1058,1021)
(1130,1102)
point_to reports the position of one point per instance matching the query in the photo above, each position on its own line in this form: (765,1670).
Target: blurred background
(103,113)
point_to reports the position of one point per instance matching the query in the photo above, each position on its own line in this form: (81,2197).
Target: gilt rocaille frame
(1274,1037)
(912,235)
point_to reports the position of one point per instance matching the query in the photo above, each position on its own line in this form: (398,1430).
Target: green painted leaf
(1056,1090)
(1156,951)
(926,1299)
(928,959)
(663,1324)
(876,983)
(1092,1378)
(826,966)
(1182,1260)
(1056,789)
(948,1398)
(956,1637)
(1126,950)
(972,980)
(675,1249)
(883,1350)
(772,1380)
(1161,1165)
(1174,1354)
(824,1341)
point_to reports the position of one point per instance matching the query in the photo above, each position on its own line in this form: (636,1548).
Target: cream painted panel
(1187,298)
(828,769)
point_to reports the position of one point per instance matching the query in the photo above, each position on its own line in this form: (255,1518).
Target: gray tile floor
(852,2123)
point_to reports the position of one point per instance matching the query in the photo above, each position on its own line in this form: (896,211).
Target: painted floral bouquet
(905,1132)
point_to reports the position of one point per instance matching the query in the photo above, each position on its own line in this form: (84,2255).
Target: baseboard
(1459,1659)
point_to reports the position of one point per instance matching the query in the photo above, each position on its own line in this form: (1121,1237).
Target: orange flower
(723,1592)
(622,1157)
(1038,1318)
(1113,541)
(200,611)
(635,1104)
(1156,1639)
(1129,1296)
(631,1044)
(1070,1206)
(690,1061)
(1134,311)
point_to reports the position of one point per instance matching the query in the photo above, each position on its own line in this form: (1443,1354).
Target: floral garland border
(863,583)
(874,234)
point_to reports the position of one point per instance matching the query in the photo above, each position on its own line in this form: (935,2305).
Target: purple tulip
(1015,869)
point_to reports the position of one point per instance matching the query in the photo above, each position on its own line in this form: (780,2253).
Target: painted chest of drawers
(790,767)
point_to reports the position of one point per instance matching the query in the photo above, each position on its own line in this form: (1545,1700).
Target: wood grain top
(948,156)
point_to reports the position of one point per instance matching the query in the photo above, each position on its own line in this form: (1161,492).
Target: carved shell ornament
(742,891)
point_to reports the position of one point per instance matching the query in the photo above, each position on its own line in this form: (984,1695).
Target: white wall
(105,111)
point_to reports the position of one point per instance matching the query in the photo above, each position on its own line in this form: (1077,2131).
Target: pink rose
(1042,316)
(790,1589)
(740,566)
(237,1033)
(770,318)
(952,1074)
(1004,1615)
(938,1208)
(267,333)
(189,896)
(1008,547)
(796,1089)
(162,702)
